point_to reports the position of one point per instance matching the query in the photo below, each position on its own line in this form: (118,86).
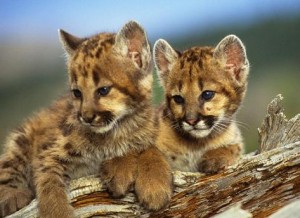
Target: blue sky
(32,19)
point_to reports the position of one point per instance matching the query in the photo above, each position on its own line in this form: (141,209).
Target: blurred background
(33,72)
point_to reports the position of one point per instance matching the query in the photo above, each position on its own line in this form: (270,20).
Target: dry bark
(263,184)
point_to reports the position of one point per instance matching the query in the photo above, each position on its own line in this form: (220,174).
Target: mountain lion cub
(204,88)
(104,125)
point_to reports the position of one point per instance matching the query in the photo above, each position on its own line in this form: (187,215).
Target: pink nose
(192,122)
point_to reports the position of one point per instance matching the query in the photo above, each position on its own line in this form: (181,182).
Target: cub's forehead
(91,53)
(195,67)
(94,47)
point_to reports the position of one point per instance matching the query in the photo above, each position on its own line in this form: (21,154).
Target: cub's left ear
(232,52)
(70,43)
(132,42)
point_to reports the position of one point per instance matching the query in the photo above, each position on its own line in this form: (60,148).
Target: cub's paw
(219,159)
(213,165)
(154,184)
(119,174)
(57,209)
(155,193)
(12,199)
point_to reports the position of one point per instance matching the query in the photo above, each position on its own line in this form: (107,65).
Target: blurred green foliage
(273,51)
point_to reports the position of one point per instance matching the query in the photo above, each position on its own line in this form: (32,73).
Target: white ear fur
(131,41)
(232,51)
(69,42)
(164,58)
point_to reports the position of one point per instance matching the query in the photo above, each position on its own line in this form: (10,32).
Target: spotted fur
(104,125)
(204,87)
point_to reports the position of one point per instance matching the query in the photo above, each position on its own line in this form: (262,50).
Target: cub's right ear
(69,42)
(164,57)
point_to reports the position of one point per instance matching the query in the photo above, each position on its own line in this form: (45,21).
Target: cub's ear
(164,58)
(232,53)
(70,43)
(132,42)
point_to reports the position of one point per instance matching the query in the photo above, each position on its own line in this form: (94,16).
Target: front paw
(219,159)
(12,199)
(119,174)
(153,185)
(214,165)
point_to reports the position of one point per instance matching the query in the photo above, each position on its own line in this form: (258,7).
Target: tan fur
(198,133)
(90,131)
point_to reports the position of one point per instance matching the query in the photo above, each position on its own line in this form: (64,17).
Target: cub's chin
(103,129)
(199,133)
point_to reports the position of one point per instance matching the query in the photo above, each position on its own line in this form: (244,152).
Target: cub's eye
(207,95)
(77,93)
(178,99)
(103,91)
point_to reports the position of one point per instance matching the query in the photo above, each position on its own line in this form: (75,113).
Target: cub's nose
(88,119)
(192,122)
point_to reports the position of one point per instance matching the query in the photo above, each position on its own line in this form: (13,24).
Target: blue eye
(178,99)
(103,90)
(207,95)
(77,93)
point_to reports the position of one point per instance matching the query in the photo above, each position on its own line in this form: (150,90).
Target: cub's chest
(185,161)
(89,164)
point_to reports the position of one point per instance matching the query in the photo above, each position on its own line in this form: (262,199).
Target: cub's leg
(119,174)
(51,187)
(219,159)
(15,176)
(153,185)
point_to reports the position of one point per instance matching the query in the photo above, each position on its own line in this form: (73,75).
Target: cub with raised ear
(104,125)
(204,87)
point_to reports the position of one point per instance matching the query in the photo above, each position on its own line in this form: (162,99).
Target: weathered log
(262,184)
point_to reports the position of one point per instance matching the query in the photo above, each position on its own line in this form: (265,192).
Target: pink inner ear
(163,63)
(136,57)
(135,48)
(235,58)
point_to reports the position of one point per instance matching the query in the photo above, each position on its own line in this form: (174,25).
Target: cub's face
(204,86)
(110,75)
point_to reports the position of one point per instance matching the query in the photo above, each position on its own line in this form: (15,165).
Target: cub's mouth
(100,122)
(200,127)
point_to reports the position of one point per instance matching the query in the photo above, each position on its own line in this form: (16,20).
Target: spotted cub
(204,88)
(104,125)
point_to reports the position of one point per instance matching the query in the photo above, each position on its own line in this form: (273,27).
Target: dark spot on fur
(68,146)
(200,83)
(65,128)
(74,153)
(180,85)
(12,185)
(61,161)
(74,76)
(96,78)
(19,158)
(173,158)
(22,141)
(5,181)
(6,164)
(47,145)
(45,169)
(71,151)
(98,53)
